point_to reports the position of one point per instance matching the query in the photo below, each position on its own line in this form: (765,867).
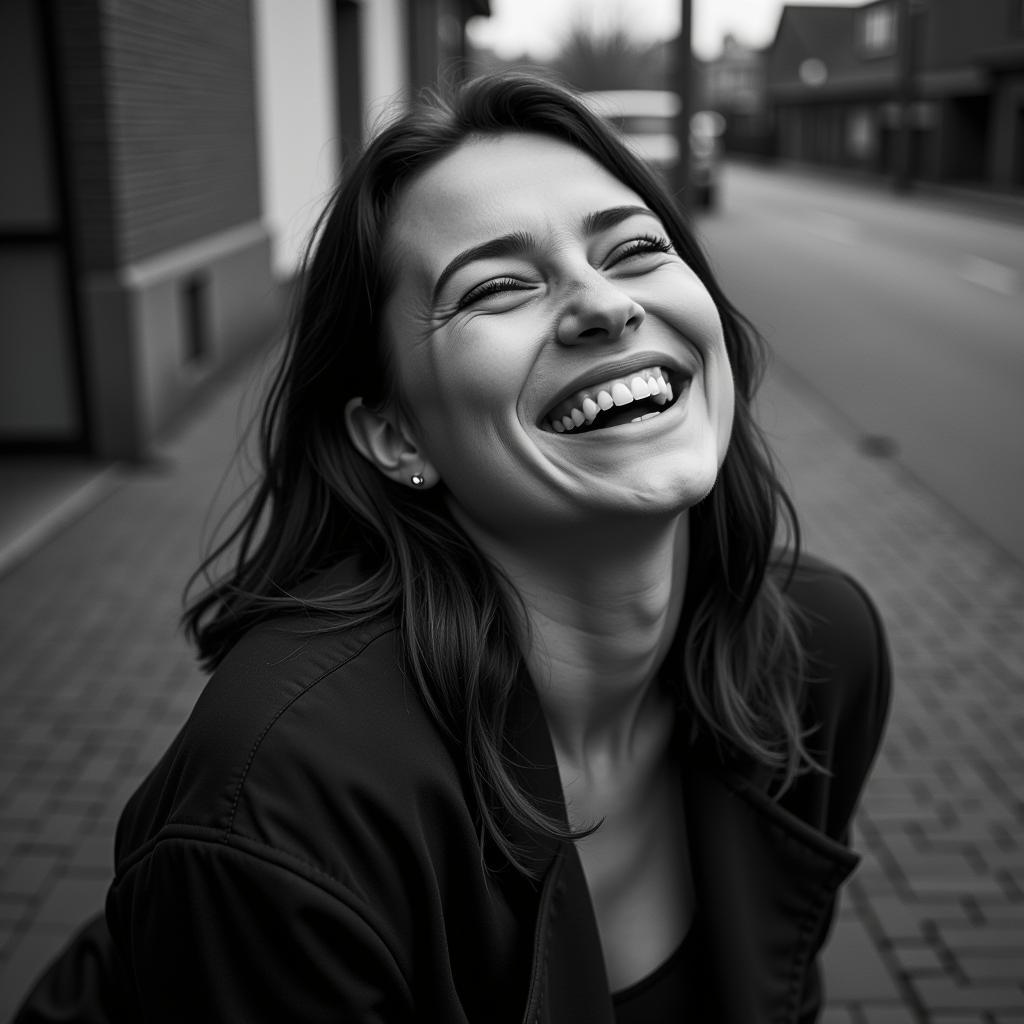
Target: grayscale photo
(512,511)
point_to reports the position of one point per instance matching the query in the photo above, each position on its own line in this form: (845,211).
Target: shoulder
(299,736)
(840,627)
(847,685)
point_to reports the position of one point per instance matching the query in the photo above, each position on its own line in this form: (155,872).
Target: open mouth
(639,396)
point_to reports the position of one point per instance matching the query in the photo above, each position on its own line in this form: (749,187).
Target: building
(734,85)
(839,79)
(163,160)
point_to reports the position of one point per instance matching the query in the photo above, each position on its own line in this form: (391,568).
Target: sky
(537,26)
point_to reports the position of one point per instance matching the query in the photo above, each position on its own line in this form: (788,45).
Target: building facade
(848,86)
(163,160)
(734,85)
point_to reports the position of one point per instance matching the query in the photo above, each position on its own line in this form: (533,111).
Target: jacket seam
(540,963)
(819,844)
(312,874)
(190,831)
(802,958)
(236,800)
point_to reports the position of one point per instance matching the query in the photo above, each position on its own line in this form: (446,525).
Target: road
(905,314)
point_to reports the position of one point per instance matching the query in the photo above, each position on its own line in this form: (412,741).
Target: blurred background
(163,163)
(856,172)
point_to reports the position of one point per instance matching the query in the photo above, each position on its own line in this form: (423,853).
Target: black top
(670,992)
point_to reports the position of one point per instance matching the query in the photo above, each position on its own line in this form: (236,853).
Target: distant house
(162,160)
(734,85)
(833,82)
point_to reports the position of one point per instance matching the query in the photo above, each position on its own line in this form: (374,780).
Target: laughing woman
(517,714)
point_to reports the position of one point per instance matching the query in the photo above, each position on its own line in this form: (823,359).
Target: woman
(514,716)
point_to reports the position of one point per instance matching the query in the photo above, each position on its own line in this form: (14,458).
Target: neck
(600,616)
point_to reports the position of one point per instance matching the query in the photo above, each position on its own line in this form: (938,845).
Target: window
(878,30)
(195,319)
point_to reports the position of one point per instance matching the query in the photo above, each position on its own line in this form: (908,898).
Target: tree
(609,58)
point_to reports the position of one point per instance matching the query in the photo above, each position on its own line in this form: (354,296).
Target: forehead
(495,185)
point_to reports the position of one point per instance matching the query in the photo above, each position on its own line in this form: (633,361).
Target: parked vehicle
(647,119)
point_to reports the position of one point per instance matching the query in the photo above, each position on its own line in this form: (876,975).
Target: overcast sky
(537,26)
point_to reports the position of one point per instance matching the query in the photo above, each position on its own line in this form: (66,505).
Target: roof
(828,35)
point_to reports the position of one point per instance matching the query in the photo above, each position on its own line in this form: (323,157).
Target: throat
(637,867)
(600,610)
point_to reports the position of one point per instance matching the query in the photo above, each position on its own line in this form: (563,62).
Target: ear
(385,442)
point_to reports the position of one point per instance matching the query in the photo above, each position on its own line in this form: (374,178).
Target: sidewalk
(995,203)
(932,927)
(97,680)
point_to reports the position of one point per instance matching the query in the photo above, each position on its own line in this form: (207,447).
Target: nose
(598,310)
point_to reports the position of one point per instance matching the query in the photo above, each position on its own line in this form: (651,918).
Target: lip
(619,368)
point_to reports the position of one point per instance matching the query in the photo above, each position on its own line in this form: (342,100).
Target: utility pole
(906,91)
(684,87)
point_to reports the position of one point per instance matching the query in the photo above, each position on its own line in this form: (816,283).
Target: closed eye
(643,246)
(493,287)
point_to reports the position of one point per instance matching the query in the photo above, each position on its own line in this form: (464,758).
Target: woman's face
(559,362)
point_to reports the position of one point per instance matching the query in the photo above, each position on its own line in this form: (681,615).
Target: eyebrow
(519,242)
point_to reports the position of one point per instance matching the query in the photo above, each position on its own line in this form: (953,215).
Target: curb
(59,516)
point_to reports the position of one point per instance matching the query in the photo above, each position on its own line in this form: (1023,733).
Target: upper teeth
(583,407)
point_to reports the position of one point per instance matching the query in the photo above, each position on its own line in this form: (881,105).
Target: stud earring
(417,480)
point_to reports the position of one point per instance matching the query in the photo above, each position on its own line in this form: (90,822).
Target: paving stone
(58,829)
(996,914)
(991,936)
(1000,965)
(955,887)
(938,994)
(918,959)
(837,1015)
(12,913)
(901,919)
(71,900)
(30,957)
(27,803)
(29,874)
(946,863)
(872,1014)
(94,853)
(852,966)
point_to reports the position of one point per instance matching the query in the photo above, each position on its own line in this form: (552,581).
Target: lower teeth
(646,416)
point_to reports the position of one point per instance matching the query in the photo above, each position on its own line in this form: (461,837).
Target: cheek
(727,412)
(474,369)
(458,405)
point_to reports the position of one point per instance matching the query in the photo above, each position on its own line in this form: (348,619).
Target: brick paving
(932,924)
(931,930)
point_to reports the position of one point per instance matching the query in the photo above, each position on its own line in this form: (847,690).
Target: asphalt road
(905,314)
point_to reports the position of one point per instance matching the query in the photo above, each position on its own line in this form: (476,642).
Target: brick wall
(161,118)
(82,96)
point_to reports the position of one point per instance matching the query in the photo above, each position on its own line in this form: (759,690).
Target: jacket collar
(766,882)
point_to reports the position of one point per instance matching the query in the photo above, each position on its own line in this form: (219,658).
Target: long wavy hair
(737,667)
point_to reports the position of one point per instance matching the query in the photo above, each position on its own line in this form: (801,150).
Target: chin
(667,500)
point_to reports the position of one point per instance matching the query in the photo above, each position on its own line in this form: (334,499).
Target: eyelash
(637,247)
(643,245)
(495,285)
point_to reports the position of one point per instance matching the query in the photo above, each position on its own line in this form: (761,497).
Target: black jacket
(306,851)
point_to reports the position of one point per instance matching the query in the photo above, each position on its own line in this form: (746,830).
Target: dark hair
(738,667)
